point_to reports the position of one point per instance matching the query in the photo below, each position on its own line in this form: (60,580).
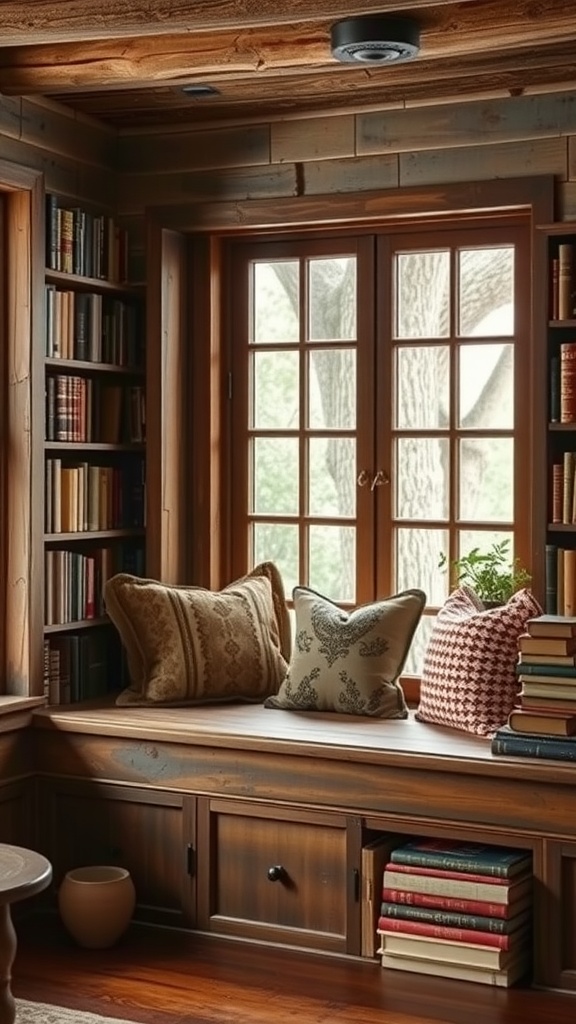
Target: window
(377,419)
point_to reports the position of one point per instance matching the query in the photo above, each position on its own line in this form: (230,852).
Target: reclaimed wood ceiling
(125,63)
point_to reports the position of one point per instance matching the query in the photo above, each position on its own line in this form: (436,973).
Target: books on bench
(457,909)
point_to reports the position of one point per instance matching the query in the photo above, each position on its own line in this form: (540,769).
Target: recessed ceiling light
(375,39)
(201,91)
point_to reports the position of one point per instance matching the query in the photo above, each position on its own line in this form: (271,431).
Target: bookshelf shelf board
(566,324)
(91,446)
(95,283)
(67,627)
(83,536)
(561,527)
(90,366)
(560,227)
(562,427)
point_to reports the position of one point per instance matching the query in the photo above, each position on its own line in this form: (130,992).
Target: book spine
(449,873)
(554,389)
(545,669)
(481,863)
(551,583)
(557,493)
(445,917)
(567,486)
(438,931)
(441,885)
(565,280)
(426,899)
(568,382)
(569,581)
(534,746)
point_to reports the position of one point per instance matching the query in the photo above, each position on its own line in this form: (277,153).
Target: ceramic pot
(96,904)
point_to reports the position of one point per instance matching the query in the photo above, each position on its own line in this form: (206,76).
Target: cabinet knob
(276,873)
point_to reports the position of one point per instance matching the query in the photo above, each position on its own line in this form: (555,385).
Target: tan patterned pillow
(469,677)
(349,661)
(188,645)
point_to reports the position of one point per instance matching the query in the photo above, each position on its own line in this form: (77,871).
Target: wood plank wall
(387,149)
(76,154)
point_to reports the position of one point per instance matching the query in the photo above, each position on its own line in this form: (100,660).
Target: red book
(441,931)
(568,382)
(463,876)
(428,899)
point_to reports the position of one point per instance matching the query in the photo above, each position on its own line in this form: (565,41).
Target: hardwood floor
(169,977)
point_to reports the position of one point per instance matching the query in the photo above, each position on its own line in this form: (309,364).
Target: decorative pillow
(349,661)
(469,677)
(188,645)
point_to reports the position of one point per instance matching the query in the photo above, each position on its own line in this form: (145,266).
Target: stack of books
(456,909)
(543,724)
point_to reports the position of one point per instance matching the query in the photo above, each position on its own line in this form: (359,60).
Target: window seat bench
(198,801)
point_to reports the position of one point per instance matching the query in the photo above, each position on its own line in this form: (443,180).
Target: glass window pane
(333,562)
(483,539)
(276,390)
(278,542)
(275,476)
(422,387)
(332,298)
(421,478)
(486,387)
(487,479)
(422,295)
(332,389)
(275,302)
(486,292)
(417,562)
(332,478)
(415,659)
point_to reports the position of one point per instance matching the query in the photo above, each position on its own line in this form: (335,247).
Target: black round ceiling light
(374,39)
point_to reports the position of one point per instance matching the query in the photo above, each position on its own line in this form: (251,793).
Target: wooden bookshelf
(560,259)
(94,446)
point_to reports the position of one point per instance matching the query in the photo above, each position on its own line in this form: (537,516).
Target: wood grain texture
(466,124)
(167,977)
(273,64)
(167,375)
(134,191)
(544,156)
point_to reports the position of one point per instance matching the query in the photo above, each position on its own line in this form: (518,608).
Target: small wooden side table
(23,873)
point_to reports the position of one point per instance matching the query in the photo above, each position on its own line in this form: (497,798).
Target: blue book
(523,669)
(472,858)
(507,742)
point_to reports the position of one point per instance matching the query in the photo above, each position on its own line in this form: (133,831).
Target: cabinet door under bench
(277,874)
(148,831)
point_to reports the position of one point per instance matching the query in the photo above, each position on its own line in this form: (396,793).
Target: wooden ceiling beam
(31,22)
(146,62)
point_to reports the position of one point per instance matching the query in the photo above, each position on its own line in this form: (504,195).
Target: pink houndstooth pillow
(469,679)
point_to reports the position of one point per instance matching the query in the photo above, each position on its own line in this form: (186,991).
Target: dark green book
(513,744)
(454,919)
(472,858)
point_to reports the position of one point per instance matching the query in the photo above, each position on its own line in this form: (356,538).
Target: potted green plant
(493,574)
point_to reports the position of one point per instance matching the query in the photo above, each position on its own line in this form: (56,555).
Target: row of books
(83,243)
(543,724)
(560,568)
(80,409)
(87,497)
(563,283)
(80,666)
(92,327)
(457,909)
(563,489)
(73,580)
(562,384)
